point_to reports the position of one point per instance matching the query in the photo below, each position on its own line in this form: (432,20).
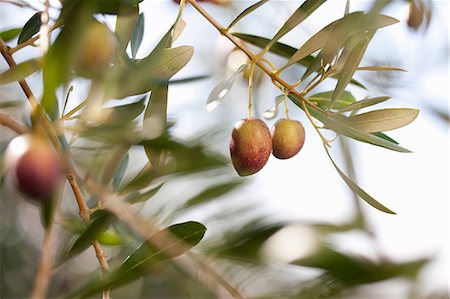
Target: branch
(50,130)
(256,58)
(45,266)
(7,121)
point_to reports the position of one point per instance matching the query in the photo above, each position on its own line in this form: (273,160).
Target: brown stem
(50,130)
(7,121)
(43,274)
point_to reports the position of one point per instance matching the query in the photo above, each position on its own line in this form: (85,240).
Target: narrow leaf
(31,27)
(212,193)
(125,24)
(20,71)
(136,37)
(338,125)
(171,242)
(10,34)
(307,8)
(360,192)
(101,220)
(382,120)
(143,196)
(282,50)
(349,69)
(117,179)
(380,68)
(247,11)
(363,104)
(323,99)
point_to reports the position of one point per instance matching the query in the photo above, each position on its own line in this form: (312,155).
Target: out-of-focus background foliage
(294,229)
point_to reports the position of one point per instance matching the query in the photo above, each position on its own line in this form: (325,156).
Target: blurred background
(294,229)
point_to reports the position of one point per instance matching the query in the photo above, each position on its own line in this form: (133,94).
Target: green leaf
(212,192)
(31,27)
(360,192)
(380,68)
(153,70)
(47,212)
(143,196)
(117,179)
(125,24)
(382,120)
(10,104)
(323,99)
(155,117)
(363,104)
(10,34)
(100,223)
(184,159)
(125,113)
(345,27)
(307,8)
(138,34)
(247,11)
(169,243)
(336,122)
(282,50)
(385,137)
(20,71)
(349,69)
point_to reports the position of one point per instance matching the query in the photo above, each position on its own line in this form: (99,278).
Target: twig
(84,210)
(7,121)
(258,61)
(43,274)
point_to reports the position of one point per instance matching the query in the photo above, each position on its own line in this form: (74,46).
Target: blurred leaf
(117,179)
(157,67)
(57,68)
(100,222)
(382,120)
(47,211)
(31,27)
(380,68)
(247,11)
(349,69)
(360,192)
(10,104)
(363,104)
(10,34)
(143,196)
(125,113)
(138,34)
(20,71)
(182,158)
(323,99)
(307,8)
(125,26)
(353,271)
(282,50)
(183,237)
(212,192)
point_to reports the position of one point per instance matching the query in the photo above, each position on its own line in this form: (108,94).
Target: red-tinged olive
(288,137)
(250,146)
(36,169)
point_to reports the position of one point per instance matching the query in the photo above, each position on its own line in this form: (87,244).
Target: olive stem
(7,121)
(250,88)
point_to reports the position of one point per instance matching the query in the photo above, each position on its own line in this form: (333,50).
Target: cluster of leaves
(141,122)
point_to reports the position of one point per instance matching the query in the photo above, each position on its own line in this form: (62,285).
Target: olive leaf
(382,120)
(247,11)
(20,71)
(31,27)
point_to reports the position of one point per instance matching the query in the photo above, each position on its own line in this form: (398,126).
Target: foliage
(98,141)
